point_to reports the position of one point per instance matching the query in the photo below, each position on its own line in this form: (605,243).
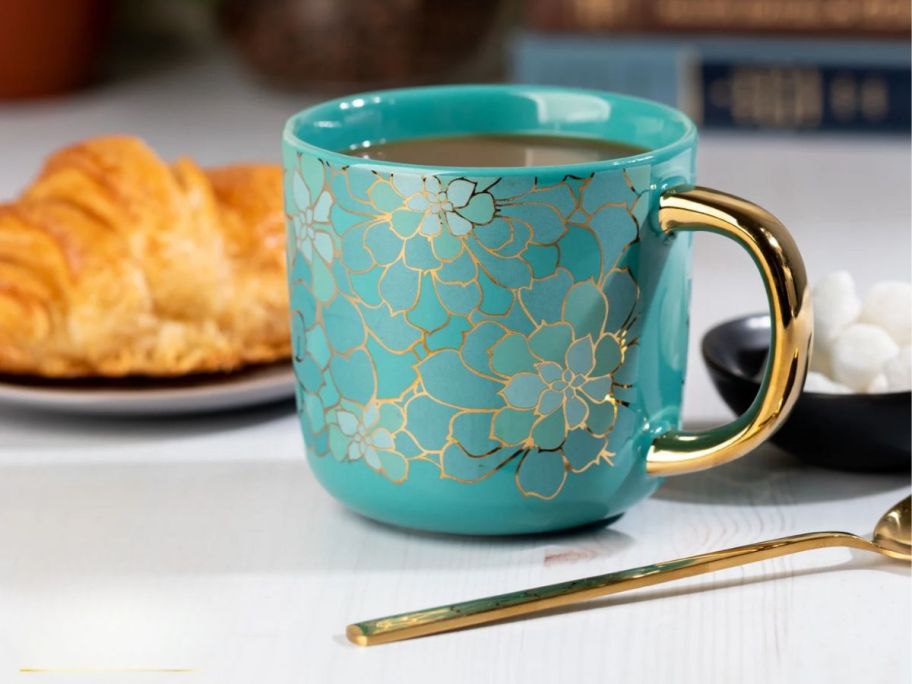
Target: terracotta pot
(49,46)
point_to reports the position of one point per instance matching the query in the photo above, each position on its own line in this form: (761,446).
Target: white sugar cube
(878,385)
(898,371)
(836,305)
(820,360)
(888,305)
(818,382)
(858,353)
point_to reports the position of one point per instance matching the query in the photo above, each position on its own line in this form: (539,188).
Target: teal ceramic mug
(502,350)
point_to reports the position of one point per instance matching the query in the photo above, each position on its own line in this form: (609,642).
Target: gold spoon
(891,538)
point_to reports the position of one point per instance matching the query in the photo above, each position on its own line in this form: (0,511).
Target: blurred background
(803,65)
(803,105)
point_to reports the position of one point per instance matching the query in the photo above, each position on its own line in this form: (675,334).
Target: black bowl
(858,432)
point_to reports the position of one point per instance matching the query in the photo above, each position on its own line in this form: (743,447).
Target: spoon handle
(494,608)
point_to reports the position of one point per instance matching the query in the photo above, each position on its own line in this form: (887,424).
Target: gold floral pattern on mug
(475,323)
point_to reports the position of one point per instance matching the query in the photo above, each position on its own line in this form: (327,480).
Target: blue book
(760,83)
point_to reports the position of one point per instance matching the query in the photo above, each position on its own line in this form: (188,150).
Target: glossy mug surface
(486,350)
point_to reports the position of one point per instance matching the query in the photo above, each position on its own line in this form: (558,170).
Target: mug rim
(323,113)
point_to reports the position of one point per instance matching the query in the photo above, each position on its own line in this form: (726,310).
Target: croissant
(114,263)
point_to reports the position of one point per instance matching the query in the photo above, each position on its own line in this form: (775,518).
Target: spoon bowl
(893,534)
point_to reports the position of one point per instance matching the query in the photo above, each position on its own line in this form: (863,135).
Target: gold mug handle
(780,264)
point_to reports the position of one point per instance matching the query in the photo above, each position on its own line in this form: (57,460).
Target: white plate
(147,397)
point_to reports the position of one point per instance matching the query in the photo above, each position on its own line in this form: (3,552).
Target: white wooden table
(204,546)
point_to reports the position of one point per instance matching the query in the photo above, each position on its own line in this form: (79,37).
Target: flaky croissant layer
(115,263)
